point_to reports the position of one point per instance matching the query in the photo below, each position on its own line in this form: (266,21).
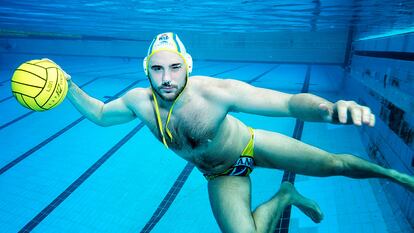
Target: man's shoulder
(209,87)
(199,78)
(137,94)
(206,81)
(139,100)
(203,78)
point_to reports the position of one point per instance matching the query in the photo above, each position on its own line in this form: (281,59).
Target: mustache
(168,85)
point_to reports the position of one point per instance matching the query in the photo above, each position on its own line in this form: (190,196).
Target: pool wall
(381,75)
(282,47)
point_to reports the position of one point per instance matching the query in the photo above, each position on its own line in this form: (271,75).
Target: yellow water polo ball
(39,85)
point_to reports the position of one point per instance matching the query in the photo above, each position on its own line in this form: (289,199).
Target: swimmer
(190,115)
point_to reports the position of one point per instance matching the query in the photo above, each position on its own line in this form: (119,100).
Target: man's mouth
(167,88)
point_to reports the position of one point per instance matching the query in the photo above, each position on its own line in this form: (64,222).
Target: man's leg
(230,202)
(275,150)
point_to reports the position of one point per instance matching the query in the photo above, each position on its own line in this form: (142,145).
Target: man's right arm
(112,113)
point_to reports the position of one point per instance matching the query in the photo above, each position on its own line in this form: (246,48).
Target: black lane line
(182,178)
(80,72)
(7,98)
(66,37)
(206,66)
(69,190)
(5,81)
(31,112)
(407,56)
(262,74)
(349,40)
(283,223)
(169,198)
(6,71)
(77,55)
(51,138)
(74,73)
(235,68)
(275,62)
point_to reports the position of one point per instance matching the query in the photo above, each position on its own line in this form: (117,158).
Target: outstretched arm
(310,107)
(112,113)
(242,97)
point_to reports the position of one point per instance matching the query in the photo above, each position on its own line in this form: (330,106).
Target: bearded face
(168,74)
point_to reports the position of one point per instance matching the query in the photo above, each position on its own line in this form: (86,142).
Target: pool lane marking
(283,223)
(60,132)
(182,178)
(74,73)
(169,198)
(226,71)
(4,81)
(31,112)
(7,98)
(262,74)
(79,181)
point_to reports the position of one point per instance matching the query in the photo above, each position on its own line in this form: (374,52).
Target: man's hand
(67,76)
(347,112)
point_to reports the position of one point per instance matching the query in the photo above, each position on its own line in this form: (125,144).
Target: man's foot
(306,205)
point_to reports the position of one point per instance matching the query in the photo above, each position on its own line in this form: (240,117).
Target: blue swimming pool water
(61,173)
(126,19)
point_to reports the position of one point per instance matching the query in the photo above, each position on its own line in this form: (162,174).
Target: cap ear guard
(189,61)
(144,65)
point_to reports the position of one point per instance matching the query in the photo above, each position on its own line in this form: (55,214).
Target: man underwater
(190,116)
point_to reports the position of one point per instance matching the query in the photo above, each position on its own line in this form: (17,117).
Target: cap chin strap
(159,121)
(188,61)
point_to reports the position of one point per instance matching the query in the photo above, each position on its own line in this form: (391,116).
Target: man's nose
(166,77)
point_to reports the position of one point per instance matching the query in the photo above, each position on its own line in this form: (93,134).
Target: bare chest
(193,127)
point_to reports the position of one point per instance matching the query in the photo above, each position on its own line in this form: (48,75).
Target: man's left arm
(309,107)
(243,97)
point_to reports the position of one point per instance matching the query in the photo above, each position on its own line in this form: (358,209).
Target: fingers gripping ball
(39,85)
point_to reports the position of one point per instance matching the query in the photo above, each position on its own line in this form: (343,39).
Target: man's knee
(248,228)
(336,164)
(237,226)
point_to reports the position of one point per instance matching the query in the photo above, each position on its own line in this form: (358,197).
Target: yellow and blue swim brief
(244,165)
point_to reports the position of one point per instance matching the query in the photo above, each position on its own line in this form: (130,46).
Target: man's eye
(176,67)
(156,68)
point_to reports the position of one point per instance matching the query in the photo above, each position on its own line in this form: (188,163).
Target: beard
(165,94)
(168,94)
